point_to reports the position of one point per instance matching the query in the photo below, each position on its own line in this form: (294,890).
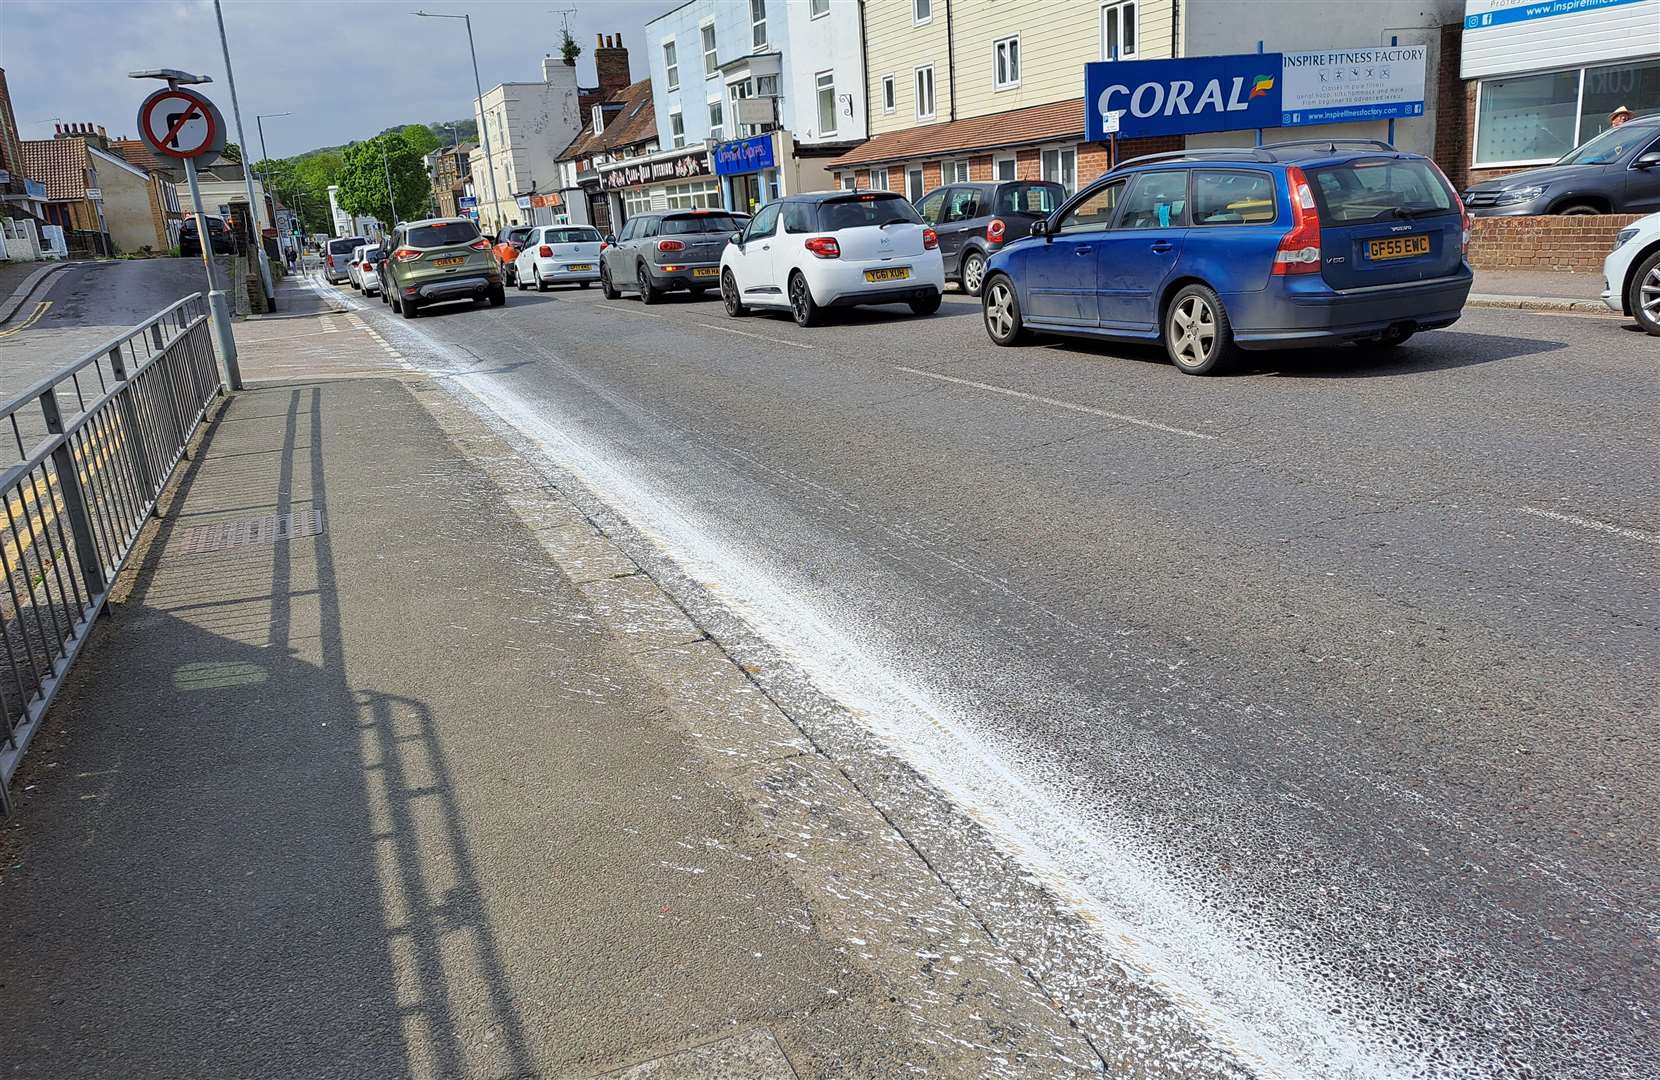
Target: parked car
(974,221)
(1618,172)
(223,241)
(509,242)
(1631,273)
(366,261)
(1313,242)
(558,255)
(337,258)
(808,253)
(352,267)
(437,260)
(659,253)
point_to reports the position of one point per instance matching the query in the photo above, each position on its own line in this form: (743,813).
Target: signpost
(182,124)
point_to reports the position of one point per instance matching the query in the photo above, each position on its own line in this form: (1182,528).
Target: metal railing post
(135,430)
(74,502)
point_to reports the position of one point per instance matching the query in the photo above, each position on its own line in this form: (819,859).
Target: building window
(599,119)
(879,179)
(1534,119)
(922,11)
(671,66)
(817,8)
(1003,168)
(1118,31)
(697,195)
(925,93)
(677,128)
(850,182)
(824,85)
(758,24)
(636,201)
(711,65)
(717,125)
(887,94)
(954,172)
(913,185)
(1061,167)
(1006,58)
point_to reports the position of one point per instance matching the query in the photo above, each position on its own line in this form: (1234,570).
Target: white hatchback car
(354,259)
(558,255)
(1631,273)
(807,253)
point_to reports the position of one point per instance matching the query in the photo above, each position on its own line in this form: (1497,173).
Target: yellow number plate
(706,271)
(896,273)
(453,260)
(1397,247)
(580,266)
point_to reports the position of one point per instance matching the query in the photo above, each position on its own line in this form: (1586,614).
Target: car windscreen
(373,254)
(341,247)
(1610,146)
(1371,190)
(862,210)
(1040,199)
(570,236)
(680,224)
(442,233)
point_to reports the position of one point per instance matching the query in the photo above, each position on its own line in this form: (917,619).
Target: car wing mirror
(610,238)
(1040,227)
(736,238)
(1648,160)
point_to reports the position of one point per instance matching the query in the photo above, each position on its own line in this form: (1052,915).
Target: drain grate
(269,529)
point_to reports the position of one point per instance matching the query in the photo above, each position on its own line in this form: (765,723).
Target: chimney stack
(611,66)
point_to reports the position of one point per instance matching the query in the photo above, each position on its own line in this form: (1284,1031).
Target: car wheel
(397,305)
(1578,210)
(498,296)
(802,305)
(511,272)
(605,285)
(1197,335)
(541,286)
(730,296)
(1002,310)
(974,273)
(411,309)
(1645,294)
(518,283)
(642,281)
(928,305)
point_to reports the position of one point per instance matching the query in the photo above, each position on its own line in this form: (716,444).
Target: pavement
(430,780)
(1538,290)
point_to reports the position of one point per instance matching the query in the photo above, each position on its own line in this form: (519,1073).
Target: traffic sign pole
(223,340)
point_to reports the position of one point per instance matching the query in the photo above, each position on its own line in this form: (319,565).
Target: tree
(568,48)
(363,179)
(231,153)
(420,139)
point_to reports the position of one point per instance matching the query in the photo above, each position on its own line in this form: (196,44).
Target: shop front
(760,168)
(1545,77)
(678,179)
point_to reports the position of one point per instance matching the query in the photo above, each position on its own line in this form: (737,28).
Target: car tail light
(331,260)
(368,266)
(1299,251)
(545,252)
(825,247)
(406,254)
(994,230)
(670,245)
(603,245)
(1463,212)
(930,239)
(481,244)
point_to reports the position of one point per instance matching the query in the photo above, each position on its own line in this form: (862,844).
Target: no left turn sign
(181,123)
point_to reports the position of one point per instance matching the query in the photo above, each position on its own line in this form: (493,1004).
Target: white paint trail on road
(758,337)
(1125,418)
(1594,525)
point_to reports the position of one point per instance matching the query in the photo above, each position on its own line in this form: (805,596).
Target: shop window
(1061,167)
(1530,118)
(925,93)
(697,195)
(1636,86)
(887,94)
(671,66)
(1118,31)
(824,86)
(758,24)
(1006,61)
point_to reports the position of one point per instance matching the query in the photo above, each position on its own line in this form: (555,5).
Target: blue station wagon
(1212,251)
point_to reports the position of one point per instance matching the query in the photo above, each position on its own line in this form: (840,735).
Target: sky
(346,69)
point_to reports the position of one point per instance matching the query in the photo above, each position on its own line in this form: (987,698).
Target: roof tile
(60,164)
(1038,123)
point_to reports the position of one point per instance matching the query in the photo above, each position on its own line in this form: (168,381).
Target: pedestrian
(1619,116)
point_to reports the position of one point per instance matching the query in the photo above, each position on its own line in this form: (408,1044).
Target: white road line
(628,311)
(1072,405)
(1594,525)
(758,337)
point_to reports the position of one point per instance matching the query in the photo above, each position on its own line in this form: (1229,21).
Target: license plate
(1397,247)
(706,271)
(892,273)
(579,266)
(453,260)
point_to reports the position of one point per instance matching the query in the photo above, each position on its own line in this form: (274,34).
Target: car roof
(434,221)
(826,196)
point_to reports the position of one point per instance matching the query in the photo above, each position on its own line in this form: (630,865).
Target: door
(1642,182)
(957,221)
(755,273)
(1061,273)
(610,258)
(1141,250)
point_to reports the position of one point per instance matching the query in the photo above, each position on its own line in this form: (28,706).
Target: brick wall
(1454,109)
(1577,243)
(932,175)
(1028,165)
(980,168)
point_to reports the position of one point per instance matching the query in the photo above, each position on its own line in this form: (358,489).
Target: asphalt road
(1326,689)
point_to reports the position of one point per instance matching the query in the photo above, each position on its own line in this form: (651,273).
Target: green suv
(437,260)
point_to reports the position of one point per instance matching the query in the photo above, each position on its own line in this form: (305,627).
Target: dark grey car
(658,253)
(1618,172)
(975,220)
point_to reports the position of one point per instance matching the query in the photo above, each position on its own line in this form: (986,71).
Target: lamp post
(391,199)
(247,174)
(265,178)
(483,127)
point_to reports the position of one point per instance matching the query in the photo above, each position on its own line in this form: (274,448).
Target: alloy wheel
(1193,331)
(974,272)
(1648,294)
(798,297)
(1000,311)
(729,293)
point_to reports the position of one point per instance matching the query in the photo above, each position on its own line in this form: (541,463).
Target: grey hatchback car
(1618,172)
(975,220)
(660,252)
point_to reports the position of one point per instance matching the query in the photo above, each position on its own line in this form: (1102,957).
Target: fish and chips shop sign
(744,156)
(676,168)
(1252,90)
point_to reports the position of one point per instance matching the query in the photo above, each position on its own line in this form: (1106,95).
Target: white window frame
(916,89)
(954,171)
(711,51)
(1005,56)
(1061,152)
(717,129)
(921,183)
(671,64)
(818,9)
(879,174)
(758,25)
(598,120)
(890,94)
(997,161)
(1579,112)
(822,81)
(677,128)
(918,18)
(1117,7)
(850,182)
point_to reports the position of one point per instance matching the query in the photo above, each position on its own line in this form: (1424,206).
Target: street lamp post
(259,122)
(247,174)
(483,127)
(391,199)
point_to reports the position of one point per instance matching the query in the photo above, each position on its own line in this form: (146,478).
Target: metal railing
(94,444)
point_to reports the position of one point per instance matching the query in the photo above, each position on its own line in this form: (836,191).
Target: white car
(366,268)
(558,255)
(1631,273)
(807,253)
(353,261)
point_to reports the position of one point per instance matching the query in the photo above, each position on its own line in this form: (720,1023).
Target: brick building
(21,193)
(451,171)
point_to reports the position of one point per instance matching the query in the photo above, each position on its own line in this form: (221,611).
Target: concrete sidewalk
(388,764)
(1538,290)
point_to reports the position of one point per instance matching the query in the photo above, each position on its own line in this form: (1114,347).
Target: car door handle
(1162,246)
(1082,250)
(766,247)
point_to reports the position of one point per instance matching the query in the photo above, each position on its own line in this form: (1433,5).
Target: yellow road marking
(34,317)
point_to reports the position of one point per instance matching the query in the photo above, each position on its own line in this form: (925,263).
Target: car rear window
(339,247)
(1037,199)
(373,254)
(1355,191)
(570,236)
(862,210)
(699,223)
(444,232)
